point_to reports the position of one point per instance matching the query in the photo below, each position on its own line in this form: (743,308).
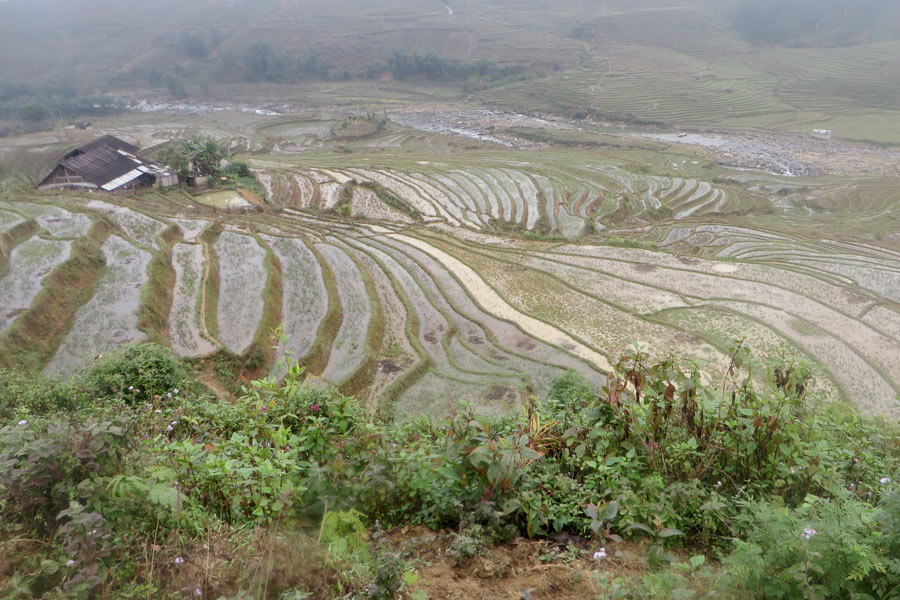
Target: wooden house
(107,164)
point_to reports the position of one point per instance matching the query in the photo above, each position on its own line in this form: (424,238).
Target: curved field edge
(319,353)
(482,292)
(157,295)
(34,337)
(12,238)
(365,373)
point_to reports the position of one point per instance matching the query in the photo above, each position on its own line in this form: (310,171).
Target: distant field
(680,64)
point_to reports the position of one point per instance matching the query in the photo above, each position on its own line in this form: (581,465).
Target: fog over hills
(762,63)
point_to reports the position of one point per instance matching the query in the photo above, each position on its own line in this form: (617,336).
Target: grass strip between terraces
(489,335)
(599,358)
(32,340)
(260,355)
(316,360)
(391,199)
(364,375)
(157,295)
(211,284)
(406,380)
(12,238)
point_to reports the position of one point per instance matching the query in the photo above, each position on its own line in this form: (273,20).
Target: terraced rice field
(242,278)
(305,295)
(56,221)
(136,225)
(482,276)
(8,220)
(109,319)
(555,197)
(29,263)
(223,199)
(186,330)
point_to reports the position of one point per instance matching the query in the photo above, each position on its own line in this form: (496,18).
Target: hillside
(452,300)
(688,65)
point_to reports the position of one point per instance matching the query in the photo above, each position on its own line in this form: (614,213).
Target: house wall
(62,178)
(168,180)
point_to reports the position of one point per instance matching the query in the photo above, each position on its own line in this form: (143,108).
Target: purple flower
(179,561)
(70,563)
(884,481)
(170,428)
(315,408)
(263,408)
(23,423)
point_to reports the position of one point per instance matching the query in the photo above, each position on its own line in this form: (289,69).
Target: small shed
(108,164)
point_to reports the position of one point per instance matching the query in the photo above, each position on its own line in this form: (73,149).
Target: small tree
(175,85)
(34,113)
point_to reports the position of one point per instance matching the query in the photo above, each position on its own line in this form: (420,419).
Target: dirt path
(491,301)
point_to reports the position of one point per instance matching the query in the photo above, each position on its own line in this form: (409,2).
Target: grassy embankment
(35,335)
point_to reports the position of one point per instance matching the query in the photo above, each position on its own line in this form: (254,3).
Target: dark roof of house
(107,140)
(109,163)
(101,164)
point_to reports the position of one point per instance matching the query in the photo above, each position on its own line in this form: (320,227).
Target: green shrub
(44,468)
(138,373)
(743,468)
(837,547)
(26,395)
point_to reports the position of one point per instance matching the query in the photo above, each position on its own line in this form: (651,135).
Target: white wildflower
(23,423)
(600,554)
(179,560)
(809,532)
(884,481)
(70,563)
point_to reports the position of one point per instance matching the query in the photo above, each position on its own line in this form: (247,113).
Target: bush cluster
(797,498)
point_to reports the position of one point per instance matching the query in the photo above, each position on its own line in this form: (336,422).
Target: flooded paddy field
(422,265)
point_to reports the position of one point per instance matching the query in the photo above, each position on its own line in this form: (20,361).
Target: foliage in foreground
(120,483)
